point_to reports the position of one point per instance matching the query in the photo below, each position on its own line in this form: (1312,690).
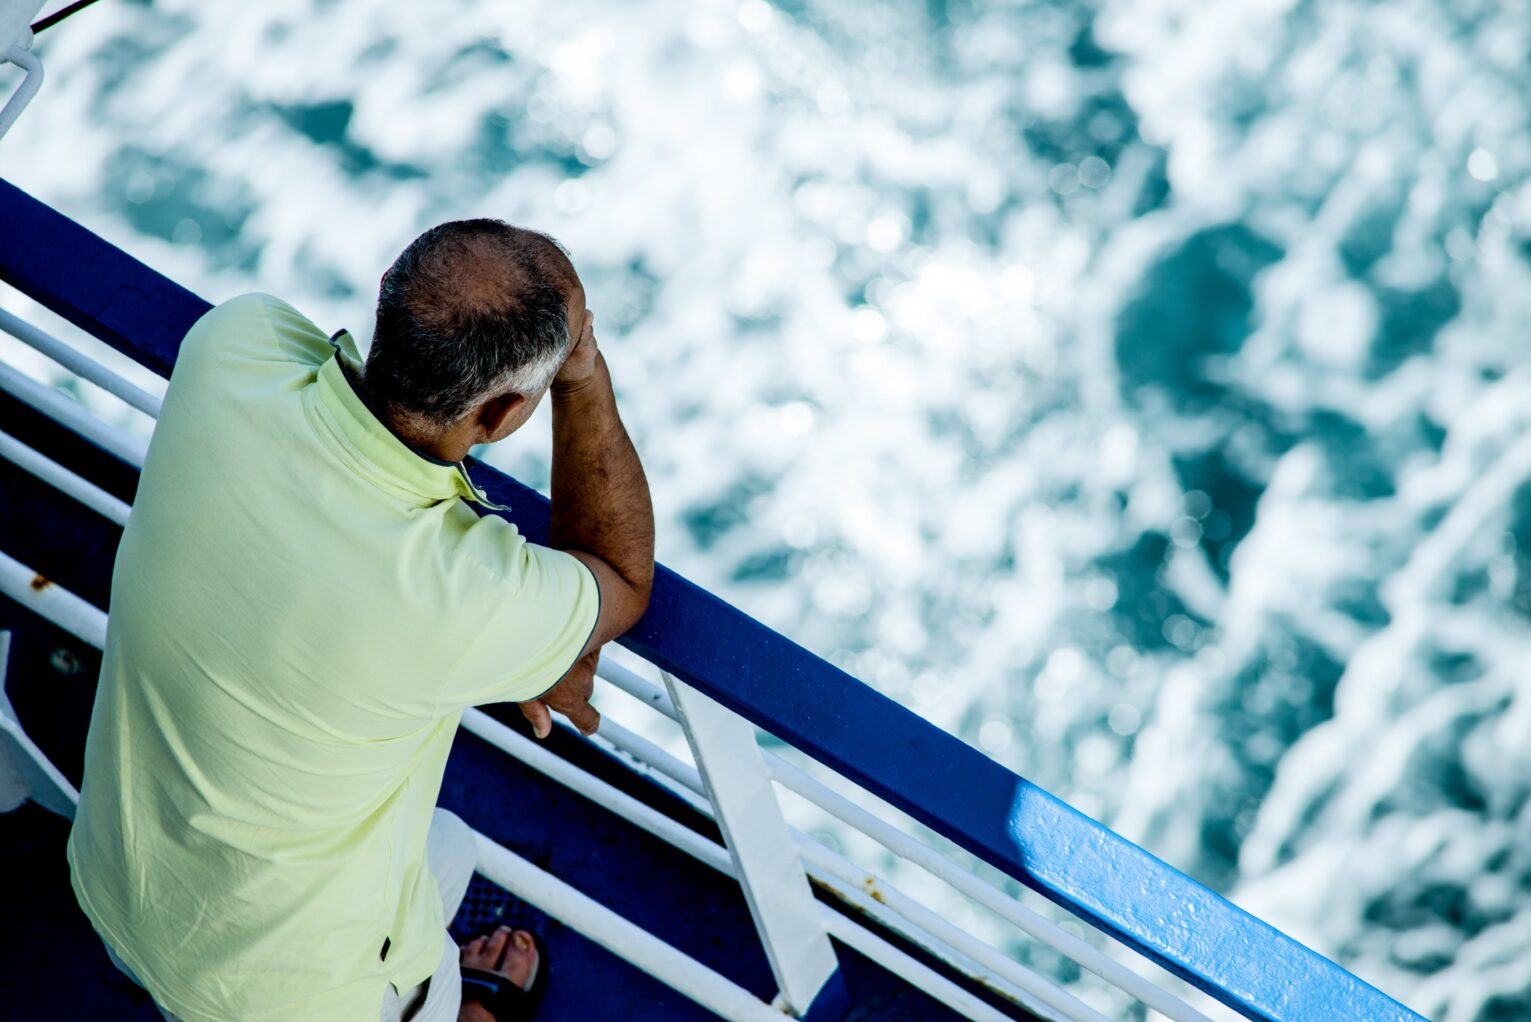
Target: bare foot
(510,953)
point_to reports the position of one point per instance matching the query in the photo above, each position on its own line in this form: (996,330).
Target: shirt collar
(377,450)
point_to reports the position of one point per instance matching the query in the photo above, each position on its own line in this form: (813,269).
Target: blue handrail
(783,688)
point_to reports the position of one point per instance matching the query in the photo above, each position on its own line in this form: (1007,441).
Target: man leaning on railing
(304,603)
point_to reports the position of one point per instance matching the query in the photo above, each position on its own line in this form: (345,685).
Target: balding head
(472,309)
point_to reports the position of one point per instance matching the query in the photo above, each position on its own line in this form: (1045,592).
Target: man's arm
(601,514)
(601,509)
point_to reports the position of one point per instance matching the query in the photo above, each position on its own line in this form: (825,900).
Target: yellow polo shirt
(301,609)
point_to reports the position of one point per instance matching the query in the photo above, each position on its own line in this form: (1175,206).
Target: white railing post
(16,47)
(22,763)
(764,854)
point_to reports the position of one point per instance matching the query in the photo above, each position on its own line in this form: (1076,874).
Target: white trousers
(451,854)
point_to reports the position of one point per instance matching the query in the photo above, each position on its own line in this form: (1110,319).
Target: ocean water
(1136,388)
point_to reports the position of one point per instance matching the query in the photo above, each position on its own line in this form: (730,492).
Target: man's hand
(578,368)
(570,697)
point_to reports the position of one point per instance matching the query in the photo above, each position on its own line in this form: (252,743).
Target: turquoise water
(1137,388)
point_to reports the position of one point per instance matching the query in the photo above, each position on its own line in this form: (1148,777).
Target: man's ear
(497,415)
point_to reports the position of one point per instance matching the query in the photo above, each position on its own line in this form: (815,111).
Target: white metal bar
(13,785)
(637,686)
(907,967)
(874,909)
(912,849)
(902,914)
(764,854)
(39,777)
(651,755)
(16,18)
(83,624)
(652,762)
(622,938)
(889,905)
(51,472)
(80,364)
(70,413)
(703,850)
(25,59)
(1038,926)
(43,596)
(689,778)
(595,789)
(88,623)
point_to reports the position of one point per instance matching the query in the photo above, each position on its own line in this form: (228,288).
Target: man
(302,605)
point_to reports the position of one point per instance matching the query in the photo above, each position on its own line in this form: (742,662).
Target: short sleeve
(541,608)
(255,342)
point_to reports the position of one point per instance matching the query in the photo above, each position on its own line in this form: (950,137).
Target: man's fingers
(536,712)
(585,717)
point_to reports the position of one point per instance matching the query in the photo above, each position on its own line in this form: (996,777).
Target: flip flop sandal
(502,998)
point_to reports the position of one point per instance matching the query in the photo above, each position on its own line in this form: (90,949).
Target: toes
(498,940)
(521,960)
(511,953)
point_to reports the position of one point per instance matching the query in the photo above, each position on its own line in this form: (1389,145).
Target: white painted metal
(13,787)
(81,364)
(598,791)
(649,819)
(89,624)
(1032,990)
(16,17)
(650,755)
(1006,907)
(16,46)
(619,936)
(499,864)
(22,56)
(913,850)
(1015,981)
(52,601)
(41,780)
(51,472)
(618,741)
(889,906)
(1055,1004)
(911,969)
(900,913)
(70,413)
(638,687)
(85,618)
(764,854)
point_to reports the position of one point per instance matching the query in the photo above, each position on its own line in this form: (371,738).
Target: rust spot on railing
(39,583)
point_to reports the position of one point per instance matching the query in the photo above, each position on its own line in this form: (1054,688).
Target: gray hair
(470,310)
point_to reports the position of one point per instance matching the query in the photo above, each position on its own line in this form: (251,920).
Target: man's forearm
(600,495)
